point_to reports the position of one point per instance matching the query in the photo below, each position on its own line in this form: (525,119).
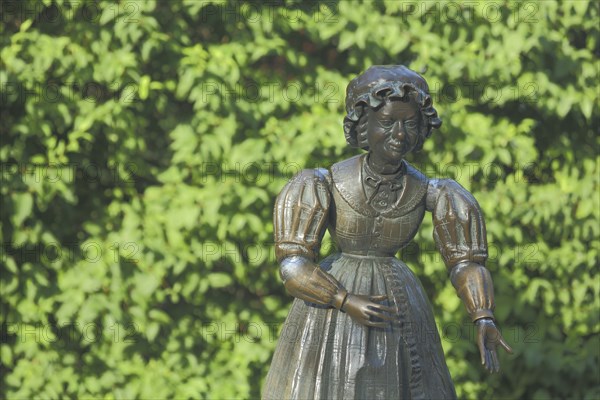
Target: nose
(398,131)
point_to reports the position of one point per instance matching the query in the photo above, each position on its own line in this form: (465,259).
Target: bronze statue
(361,325)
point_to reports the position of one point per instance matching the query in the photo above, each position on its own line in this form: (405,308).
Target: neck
(383,167)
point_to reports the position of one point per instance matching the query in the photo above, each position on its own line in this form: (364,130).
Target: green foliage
(144,142)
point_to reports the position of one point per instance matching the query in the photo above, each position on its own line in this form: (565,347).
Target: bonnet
(379,82)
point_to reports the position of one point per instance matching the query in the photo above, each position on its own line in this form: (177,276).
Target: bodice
(357,226)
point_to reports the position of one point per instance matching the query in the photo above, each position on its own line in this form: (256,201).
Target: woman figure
(361,325)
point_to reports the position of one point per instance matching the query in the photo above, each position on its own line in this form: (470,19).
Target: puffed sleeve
(300,216)
(460,236)
(300,219)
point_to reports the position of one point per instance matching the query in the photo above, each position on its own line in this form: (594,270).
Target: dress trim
(347,178)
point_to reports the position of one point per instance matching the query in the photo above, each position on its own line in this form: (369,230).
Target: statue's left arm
(460,236)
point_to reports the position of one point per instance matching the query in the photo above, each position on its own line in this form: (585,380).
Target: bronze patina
(361,325)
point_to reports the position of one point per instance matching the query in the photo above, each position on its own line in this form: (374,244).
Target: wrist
(340,298)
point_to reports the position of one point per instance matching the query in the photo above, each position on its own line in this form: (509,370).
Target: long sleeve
(460,236)
(300,219)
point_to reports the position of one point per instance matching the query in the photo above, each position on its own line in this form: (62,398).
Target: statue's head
(387,99)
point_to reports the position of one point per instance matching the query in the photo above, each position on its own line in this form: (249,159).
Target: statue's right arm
(300,220)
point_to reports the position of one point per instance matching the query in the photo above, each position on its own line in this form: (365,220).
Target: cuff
(479,314)
(340,298)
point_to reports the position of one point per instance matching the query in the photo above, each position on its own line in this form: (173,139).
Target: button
(379,218)
(376,234)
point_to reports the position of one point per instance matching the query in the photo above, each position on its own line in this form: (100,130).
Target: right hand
(363,309)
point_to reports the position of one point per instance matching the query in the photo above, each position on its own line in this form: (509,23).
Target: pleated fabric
(323,354)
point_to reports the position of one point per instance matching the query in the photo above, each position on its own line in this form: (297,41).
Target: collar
(394,182)
(348,177)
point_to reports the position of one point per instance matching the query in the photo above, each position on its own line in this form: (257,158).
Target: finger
(383,308)
(491,363)
(495,361)
(488,361)
(380,315)
(378,298)
(505,346)
(480,344)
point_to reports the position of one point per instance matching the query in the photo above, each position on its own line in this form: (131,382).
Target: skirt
(323,354)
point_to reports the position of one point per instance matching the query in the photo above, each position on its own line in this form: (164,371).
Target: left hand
(488,338)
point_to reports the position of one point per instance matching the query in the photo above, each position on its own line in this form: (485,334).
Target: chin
(396,155)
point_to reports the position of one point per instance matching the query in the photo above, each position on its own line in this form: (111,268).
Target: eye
(387,123)
(410,124)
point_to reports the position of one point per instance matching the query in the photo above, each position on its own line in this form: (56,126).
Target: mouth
(396,147)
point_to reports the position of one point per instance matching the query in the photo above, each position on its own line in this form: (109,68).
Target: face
(393,130)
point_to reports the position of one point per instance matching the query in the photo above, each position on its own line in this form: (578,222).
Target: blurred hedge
(143,144)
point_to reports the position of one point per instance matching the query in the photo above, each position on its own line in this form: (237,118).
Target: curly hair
(375,87)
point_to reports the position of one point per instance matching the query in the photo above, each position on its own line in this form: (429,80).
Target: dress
(322,353)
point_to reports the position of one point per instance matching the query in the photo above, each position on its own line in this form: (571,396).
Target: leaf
(22,204)
(152,331)
(218,280)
